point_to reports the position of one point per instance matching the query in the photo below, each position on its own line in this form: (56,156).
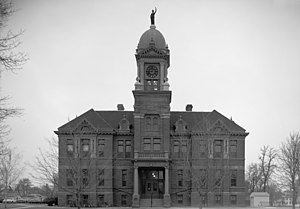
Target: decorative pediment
(180,125)
(84,127)
(152,51)
(124,125)
(219,127)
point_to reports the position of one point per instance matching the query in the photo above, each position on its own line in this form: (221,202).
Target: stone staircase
(155,202)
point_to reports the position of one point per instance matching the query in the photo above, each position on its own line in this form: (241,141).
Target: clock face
(152,71)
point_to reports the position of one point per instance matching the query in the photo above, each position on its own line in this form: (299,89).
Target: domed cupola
(152,37)
(153,60)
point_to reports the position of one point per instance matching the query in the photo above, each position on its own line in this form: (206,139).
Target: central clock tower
(151,116)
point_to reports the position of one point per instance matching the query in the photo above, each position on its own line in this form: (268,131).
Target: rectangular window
(155,124)
(233,199)
(85,177)
(69,177)
(70,147)
(101,146)
(100,200)
(233,178)
(203,146)
(124,177)
(148,123)
(120,146)
(218,178)
(180,178)
(127,148)
(124,200)
(85,147)
(180,199)
(233,148)
(85,200)
(69,200)
(203,179)
(100,177)
(147,144)
(218,199)
(184,146)
(156,144)
(218,148)
(176,146)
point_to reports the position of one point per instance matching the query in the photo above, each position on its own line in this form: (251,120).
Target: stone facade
(151,156)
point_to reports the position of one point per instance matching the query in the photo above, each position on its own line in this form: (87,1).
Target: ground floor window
(180,199)
(123,200)
(218,199)
(69,200)
(85,200)
(233,199)
(100,200)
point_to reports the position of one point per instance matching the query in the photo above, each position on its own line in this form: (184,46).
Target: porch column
(136,182)
(166,180)
(167,200)
(136,196)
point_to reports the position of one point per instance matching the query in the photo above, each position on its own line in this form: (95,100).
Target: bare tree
(267,165)
(6,112)
(46,165)
(289,161)
(23,187)
(10,170)
(253,176)
(9,41)
(9,61)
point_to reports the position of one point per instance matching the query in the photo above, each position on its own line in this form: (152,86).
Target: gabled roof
(203,121)
(196,121)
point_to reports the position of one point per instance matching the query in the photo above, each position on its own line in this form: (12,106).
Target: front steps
(155,202)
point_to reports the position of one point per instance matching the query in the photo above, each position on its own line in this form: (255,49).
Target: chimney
(120,107)
(189,107)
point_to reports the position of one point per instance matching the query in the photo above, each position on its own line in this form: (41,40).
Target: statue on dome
(152,16)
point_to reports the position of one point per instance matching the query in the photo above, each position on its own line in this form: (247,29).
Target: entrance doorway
(152,183)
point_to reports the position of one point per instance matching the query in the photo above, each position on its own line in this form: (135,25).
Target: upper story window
(176,146)
(70,146)
(85,146)
(100,177)
(156,144)
(180,146)
(233,178)
(101,146)
(233,148)
(121,146)
(69,177)
(85,177)
(147,144)
(218,148)
(203,179)
(151,123)
(152,144)
(218,178)
(124,177)
(124,146)
(203,148)
(180,177)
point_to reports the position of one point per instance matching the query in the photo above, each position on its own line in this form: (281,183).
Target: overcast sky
(241,58)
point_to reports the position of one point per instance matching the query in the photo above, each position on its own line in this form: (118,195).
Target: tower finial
(152,16)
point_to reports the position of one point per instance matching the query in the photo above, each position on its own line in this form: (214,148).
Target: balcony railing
(151,155)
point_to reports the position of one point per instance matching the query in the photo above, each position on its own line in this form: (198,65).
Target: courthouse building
(151,156)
